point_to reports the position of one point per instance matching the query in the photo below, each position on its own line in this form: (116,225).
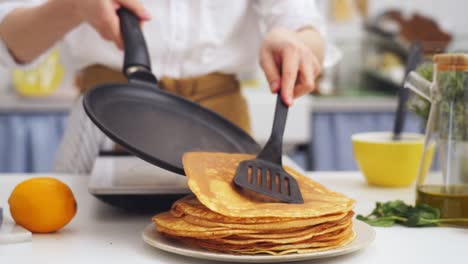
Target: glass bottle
(445,188)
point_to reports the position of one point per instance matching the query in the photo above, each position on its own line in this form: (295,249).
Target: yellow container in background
(41,81)
(385,162)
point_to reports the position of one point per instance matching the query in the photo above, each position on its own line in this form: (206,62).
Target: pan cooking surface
(159,127)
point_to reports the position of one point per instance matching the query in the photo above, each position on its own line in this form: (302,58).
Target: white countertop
(334,104)
(13,103)
(102,234)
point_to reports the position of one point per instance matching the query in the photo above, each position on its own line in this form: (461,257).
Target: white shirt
(192,37)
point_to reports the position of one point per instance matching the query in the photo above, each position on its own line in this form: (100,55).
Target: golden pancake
(303,247)
(319,241)
(190,205)
(210,178)
(342,238)
(226,239)
(294,233)
(291,224)
(169,224)
(319,237)
(313,233)
(341,243)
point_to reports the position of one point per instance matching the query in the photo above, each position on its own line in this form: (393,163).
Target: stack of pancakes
(220,218)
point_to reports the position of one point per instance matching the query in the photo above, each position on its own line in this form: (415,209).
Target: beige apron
(216,91)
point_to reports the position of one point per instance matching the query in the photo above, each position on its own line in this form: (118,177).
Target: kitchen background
(358,94)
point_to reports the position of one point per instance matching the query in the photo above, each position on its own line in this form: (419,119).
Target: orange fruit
(42,205)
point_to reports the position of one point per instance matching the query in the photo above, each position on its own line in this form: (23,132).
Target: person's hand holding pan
(102,16)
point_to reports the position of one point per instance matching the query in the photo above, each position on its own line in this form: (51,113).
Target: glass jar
(447,136)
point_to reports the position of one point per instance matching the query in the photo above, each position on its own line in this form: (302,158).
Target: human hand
(102,16)
(288,64)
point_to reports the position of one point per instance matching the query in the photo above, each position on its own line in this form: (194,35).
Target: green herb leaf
(397,212)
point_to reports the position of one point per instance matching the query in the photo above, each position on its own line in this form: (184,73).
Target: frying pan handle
(136,52)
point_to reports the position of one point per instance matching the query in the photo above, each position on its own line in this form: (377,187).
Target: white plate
(365,234)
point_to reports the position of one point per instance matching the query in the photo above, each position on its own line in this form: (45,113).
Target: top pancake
(210,177)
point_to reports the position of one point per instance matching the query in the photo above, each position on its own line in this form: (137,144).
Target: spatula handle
(414,58)
(273,149)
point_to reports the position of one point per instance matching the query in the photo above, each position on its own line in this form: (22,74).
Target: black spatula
(414,58)
(265,176)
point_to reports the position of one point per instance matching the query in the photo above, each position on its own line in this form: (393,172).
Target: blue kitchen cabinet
(28,141)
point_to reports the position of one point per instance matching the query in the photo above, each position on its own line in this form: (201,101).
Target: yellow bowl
(385,162)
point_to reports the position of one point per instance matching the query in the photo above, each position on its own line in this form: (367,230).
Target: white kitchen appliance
(131,183)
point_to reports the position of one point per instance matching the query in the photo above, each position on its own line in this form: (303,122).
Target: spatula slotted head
(269,180)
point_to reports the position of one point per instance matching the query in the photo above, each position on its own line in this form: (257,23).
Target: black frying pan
(155,125)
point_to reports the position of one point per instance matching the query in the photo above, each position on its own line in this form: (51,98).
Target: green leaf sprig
(453,111)
(397,212)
